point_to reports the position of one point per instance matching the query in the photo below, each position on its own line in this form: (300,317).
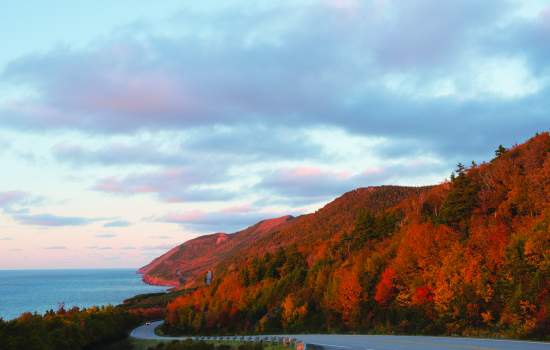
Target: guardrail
(286,341)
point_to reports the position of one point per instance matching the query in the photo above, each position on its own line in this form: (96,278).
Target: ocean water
(41,290)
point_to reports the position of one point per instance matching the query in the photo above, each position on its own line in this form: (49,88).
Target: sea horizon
(40,290)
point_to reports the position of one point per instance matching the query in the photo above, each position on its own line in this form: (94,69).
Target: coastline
(41,290)
(155,281)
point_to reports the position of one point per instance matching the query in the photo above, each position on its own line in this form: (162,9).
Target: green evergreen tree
(500,151)
(461,200)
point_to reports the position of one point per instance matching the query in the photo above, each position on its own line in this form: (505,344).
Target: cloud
(99,247)
(254,142)
(161,237)
(5,239)
(376,70)
(229,219)
(4,145)
(117,223)
(116,154)
(311,181)
(105,235)
(52,220)
(303,185)
(10,198)
(222,106)
(528,36)
(408,41)
(219,144)
(56,247)
(128,248)
(171,185)
(157,247)
(15,204)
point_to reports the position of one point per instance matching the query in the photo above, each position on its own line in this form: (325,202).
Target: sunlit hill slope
(468,256)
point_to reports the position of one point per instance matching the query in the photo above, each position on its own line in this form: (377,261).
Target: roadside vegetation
(467,257)
(152,300)
(91,329)
(139,344)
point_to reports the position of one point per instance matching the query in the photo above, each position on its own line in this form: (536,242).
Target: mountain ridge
(469,256)
(185,264)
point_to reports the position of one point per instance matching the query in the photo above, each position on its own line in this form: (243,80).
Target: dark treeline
(74,329)
(200,345)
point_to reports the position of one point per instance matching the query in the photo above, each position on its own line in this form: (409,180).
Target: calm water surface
(41,290)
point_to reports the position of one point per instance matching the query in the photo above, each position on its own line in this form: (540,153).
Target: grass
(236,343)
(144,344)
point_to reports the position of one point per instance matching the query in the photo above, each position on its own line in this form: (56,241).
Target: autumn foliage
(469,256)
(72,329)
(385,288)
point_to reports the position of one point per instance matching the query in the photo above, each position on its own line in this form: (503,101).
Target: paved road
(383,342)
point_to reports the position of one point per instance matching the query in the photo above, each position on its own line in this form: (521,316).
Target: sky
(128,127)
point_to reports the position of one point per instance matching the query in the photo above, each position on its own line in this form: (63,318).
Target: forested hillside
(186,264)
(470,256)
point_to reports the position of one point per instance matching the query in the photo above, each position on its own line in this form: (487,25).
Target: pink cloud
(245,208)
(109,185)
(304,171)
(181,184)
(300,174)
(10,198)
(158,247)
(147,182)
(307,185)
(184,217)
(145,93)
(198,215)
(114,185)
(226,219)
(374,171)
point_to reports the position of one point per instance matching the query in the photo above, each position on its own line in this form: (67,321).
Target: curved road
(380,342)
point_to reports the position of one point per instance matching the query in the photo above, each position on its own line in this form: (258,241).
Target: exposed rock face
(187,264)
(156,281)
